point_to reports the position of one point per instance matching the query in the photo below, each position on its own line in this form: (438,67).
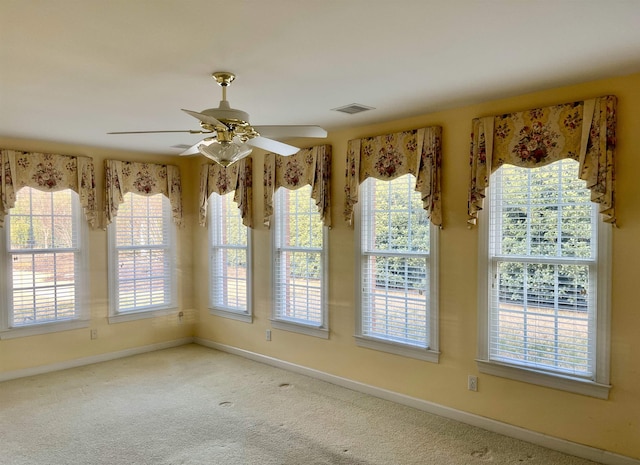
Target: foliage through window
(300,260)
(142,251)
(543,268)
(229,256)
(395,264)
(44,258)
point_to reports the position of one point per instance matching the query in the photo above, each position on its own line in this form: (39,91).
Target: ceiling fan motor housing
(236,121)
(225,113)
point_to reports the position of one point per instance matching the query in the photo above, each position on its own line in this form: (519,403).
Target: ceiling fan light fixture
(224,153)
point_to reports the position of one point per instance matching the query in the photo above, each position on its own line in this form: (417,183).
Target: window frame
(430,353)
(321,330)
(215,201)
(81,280)
(599,386)
(116,316)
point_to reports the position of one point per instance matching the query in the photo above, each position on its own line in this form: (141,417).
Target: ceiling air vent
(353,108)
(181,146)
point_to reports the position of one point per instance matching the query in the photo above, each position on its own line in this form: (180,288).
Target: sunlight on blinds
(144,277)
(43,250)
(299,259)
(229,255)
(543,258)
(395,262)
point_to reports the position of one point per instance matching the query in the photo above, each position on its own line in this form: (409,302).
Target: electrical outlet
(472,383)
(94,334)
(268,334)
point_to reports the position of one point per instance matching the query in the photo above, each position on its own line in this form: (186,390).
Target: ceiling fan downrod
(224,79)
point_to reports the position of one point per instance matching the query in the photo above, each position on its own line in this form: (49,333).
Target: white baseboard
(550,442)
(92,359)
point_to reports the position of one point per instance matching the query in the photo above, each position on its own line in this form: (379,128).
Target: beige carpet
(194,405)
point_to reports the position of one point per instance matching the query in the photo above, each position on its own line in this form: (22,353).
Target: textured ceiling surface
(73,70)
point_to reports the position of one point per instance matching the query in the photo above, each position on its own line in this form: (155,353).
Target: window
(230,258)
(397,270)
(300,264)
(44,263)
(142,269)
(545,310)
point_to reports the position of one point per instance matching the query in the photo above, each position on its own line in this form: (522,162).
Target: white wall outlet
(268,334)
(472,383)
(94,334)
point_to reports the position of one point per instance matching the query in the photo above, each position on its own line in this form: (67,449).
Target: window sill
(140,315)
(532,376)
(404,350)
(43,328)
(315,331)
(232,314)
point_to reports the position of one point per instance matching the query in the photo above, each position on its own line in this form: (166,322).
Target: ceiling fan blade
(194,148)
(191,150)
(205,118)
(190,131)
(271,145)
(283,132)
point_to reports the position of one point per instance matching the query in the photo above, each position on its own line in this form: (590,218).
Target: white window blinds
(229,256)
(143,254)
(300,260)
(44,258)
(543,269)
(395,263)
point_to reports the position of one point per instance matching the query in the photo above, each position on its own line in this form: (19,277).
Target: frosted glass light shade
(224,153)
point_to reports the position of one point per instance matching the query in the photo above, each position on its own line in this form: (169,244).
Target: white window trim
(143,312)
(430,354)
(44,328)
(81,286)
(322,330)
(309,330)
(246,317)
(227,312)
(142,315)
(598,388)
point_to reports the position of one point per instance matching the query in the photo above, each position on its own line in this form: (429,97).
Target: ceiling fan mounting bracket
(223,78)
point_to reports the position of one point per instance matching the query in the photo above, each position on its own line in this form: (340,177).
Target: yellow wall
(612,424)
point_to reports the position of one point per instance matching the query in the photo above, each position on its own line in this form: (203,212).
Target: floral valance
(584,131)
(46,172)
(309,166)
(122,177)
(219,179)
(390,156)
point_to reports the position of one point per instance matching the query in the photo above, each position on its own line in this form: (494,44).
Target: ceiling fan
(230,136)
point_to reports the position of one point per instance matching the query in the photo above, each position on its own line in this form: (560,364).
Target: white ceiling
(72,70)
